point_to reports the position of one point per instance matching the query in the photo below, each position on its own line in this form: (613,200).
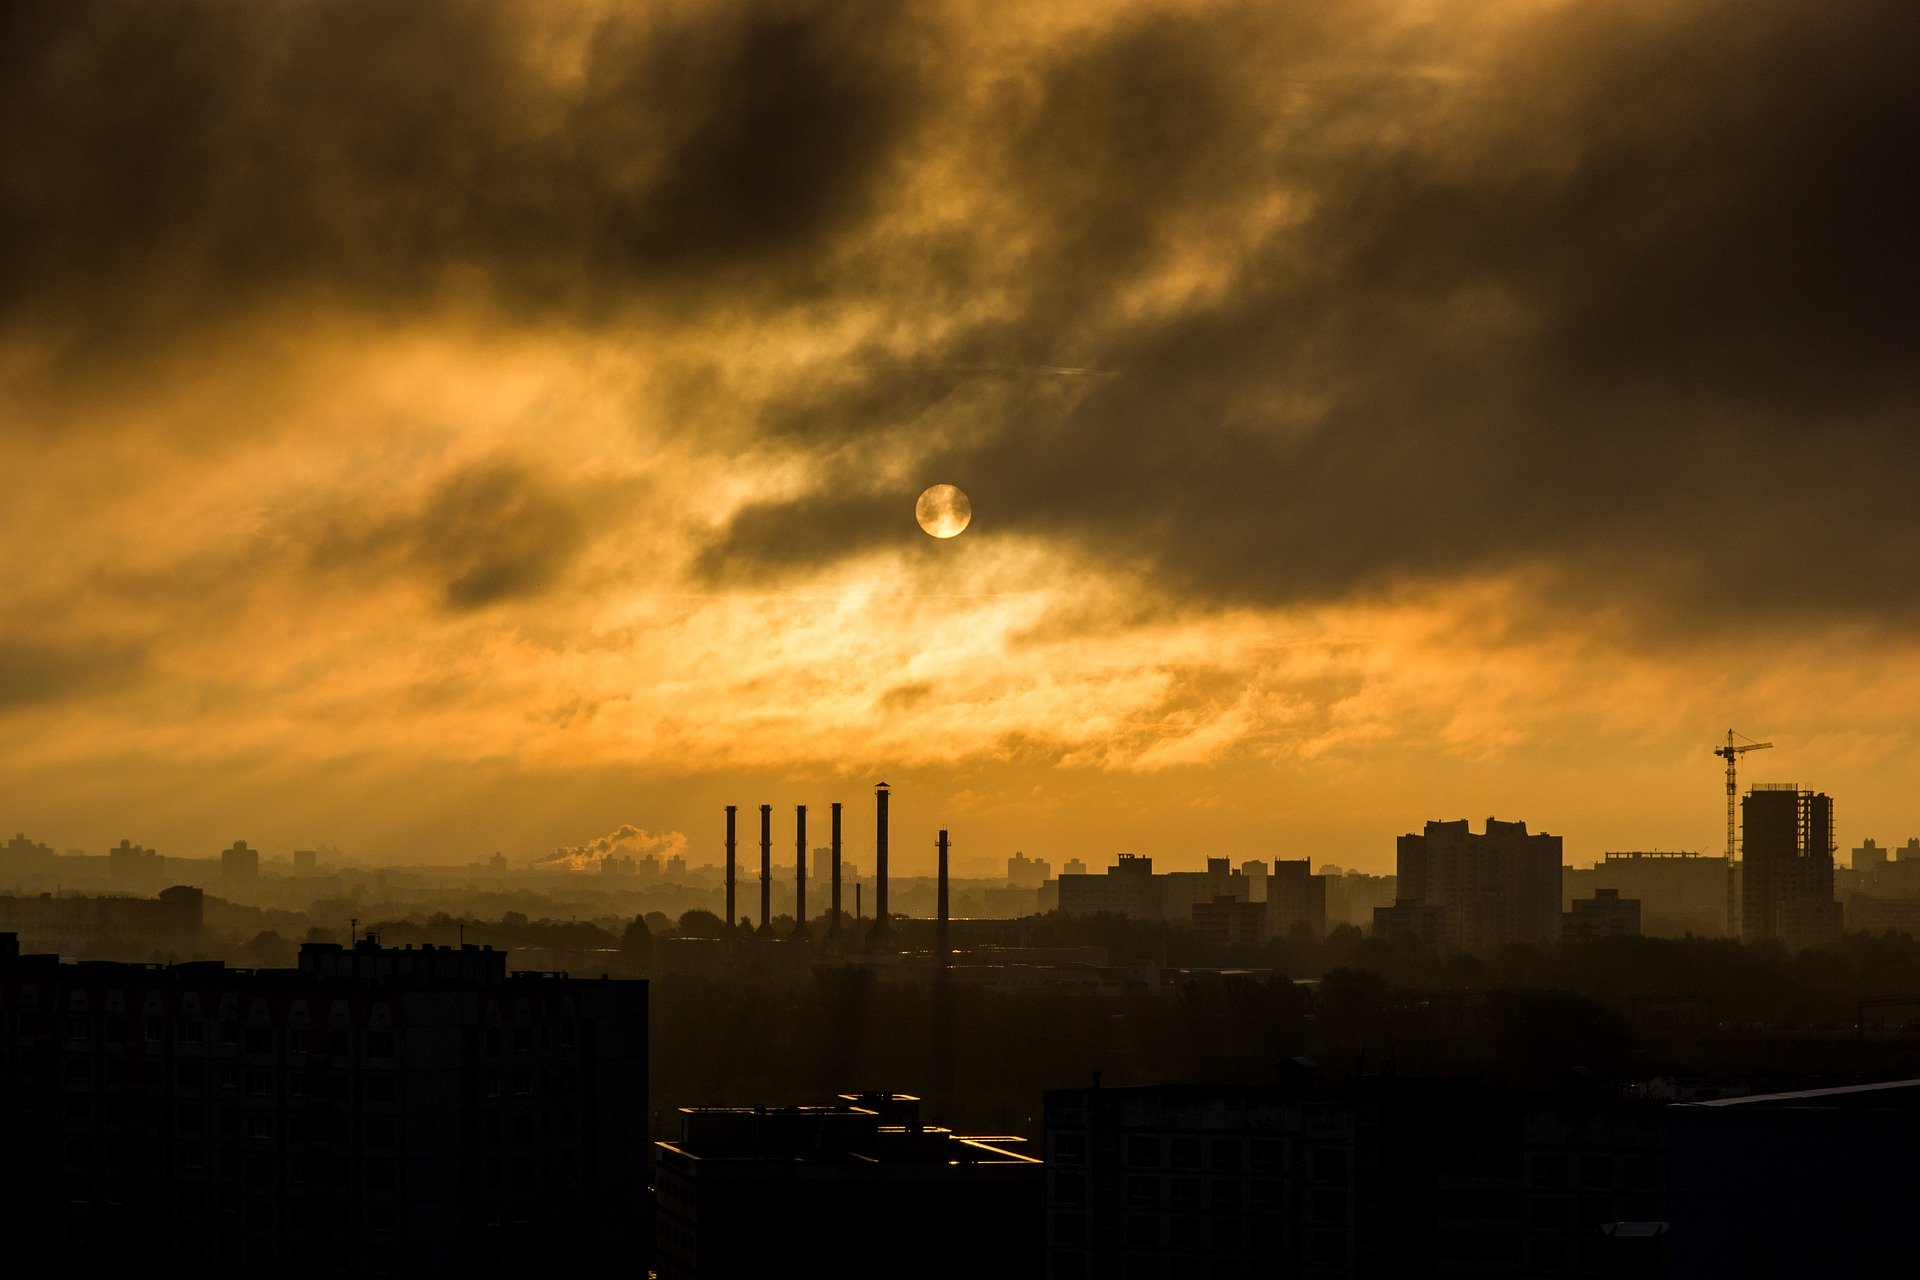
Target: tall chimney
(833,915)
(766,867)
(880,793)
(731,918)
(940,929)
(799,871)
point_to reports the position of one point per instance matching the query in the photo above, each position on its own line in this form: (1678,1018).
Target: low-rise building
(741,1188)
(1605,915)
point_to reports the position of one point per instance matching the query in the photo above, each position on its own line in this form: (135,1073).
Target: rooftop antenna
(353,930)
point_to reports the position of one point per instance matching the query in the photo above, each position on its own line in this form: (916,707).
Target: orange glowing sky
(462,426)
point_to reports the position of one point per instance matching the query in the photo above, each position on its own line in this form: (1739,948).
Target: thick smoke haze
(465,423)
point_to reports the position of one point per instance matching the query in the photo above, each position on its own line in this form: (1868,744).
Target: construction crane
(1731,753)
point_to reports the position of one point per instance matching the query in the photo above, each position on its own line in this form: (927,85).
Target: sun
(943,511)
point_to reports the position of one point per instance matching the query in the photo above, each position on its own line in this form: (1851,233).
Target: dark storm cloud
(1633,300)
(35,672)
(160,155)
(492,532)
(1619,293)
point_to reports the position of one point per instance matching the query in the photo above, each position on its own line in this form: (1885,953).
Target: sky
(468,425)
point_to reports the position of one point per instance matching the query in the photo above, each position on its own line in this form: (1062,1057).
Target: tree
(701,924)
(636,944)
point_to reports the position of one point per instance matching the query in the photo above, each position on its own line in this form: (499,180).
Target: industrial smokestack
(940,929)
(799,871)
(833,915)
(766,868)
(731,918)
(880,793)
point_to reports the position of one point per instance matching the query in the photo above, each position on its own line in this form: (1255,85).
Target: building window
(1184,1232)
(1069,1148)
(380,1044)
(1143,1190)
(1329,1206)
(380,1087)
(1263,1154)
(1549,1169)
(1329,1164)
(1225,1233)
(79,1028)
(297,1040)
(1186,1153)
(1226,1154)
(1143,1231)
(1070,1188)
(1069,1228)
(193,1031)
(259,1126)
(1185,1193)
(259,1084)
(1143,1152)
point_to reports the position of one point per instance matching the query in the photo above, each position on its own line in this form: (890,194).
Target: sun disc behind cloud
(943,511)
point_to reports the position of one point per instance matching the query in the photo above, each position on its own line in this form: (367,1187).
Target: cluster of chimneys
(834,913)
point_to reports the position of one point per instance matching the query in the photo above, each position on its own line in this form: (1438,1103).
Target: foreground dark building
(742,1185)
(1819,1182)
(1382,1177)
(376,1111)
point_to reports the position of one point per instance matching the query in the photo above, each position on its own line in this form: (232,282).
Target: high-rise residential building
(1787,865)
(1027,873)
(1256,873)
(1129,888)
(240,862)
(1296,899)
(379,1111)
(1869,856)
(305,861)
(1487,889)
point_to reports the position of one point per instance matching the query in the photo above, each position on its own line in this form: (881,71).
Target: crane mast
(1731,753)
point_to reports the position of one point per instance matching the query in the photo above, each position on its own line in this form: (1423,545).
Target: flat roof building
(742,1186)
(1477,889)
(376,1111)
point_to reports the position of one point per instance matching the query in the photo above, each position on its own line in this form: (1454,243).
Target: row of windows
(377,1088)
(1224,1155)
(79,1028)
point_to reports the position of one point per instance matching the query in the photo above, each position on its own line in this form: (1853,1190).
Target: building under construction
(1787,867)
